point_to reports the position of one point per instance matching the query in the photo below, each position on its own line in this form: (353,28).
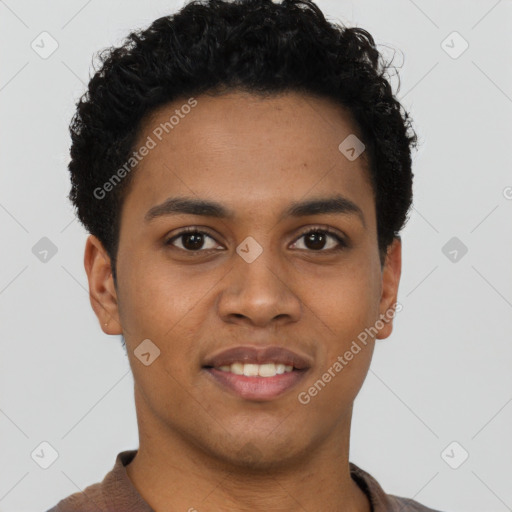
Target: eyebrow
(186,205)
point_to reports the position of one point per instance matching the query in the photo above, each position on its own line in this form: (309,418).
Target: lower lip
(257,388)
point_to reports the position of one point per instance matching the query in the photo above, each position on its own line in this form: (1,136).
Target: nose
(258,293)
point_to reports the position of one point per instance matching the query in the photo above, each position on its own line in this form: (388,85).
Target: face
(285,256)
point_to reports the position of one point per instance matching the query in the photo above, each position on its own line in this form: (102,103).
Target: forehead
(249,151)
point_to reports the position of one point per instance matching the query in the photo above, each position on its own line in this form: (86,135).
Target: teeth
(236,368)
(257,370)
(251,370)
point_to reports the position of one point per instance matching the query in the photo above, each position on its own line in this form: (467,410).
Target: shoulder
(115,492)
(408,505)
(379,499)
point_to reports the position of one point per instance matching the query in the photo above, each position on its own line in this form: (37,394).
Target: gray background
(444,374)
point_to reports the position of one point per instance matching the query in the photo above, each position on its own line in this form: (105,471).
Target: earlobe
(390,281)
(102,292)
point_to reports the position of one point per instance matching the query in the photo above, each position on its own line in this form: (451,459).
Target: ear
(102,292)
(390,280)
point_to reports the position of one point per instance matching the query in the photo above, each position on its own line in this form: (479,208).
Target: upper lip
(258,355)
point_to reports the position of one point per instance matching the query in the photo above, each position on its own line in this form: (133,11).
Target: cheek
(167,308)
(155,297)
(347,349)
(344,310)
(343,303)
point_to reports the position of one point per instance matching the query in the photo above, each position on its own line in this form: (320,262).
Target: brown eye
(192,240)
(317,239)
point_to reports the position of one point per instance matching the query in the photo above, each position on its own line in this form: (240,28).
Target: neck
(169,469)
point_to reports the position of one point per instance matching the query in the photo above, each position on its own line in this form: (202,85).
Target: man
(243,170)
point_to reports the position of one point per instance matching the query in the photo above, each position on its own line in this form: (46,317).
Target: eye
(316,239)
(192,240)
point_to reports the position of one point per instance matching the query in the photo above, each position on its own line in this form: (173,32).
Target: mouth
(257,373)
(256,370)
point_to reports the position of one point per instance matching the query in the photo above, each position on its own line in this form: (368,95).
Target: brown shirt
(116,493)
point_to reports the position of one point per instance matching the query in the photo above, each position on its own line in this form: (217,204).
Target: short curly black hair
(258,46)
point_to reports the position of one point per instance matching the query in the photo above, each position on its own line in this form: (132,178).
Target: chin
(258,455)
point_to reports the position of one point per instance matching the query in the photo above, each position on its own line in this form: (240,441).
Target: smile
(257,370)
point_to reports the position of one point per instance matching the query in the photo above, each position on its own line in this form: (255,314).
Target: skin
(200,445)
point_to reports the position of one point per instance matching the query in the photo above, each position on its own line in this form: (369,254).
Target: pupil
(311,238)
(197,241)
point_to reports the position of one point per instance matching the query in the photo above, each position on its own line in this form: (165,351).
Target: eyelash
(318,229)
